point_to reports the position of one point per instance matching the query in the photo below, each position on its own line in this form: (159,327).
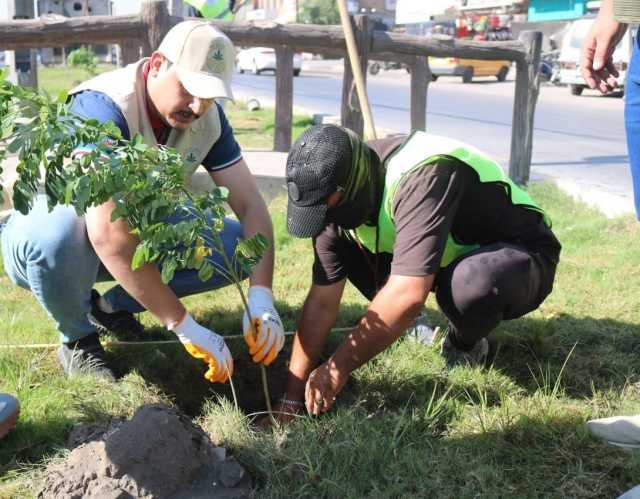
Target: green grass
(53,79)
(402,426)
(255,129)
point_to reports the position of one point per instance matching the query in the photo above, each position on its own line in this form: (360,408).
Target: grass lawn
(403,427)
(53,79)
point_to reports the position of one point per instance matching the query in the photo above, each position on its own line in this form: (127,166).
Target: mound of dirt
(159,453)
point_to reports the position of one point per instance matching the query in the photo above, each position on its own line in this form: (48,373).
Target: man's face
(175,106)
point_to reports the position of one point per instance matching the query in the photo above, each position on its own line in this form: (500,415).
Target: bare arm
(247,203)
(596,60)
(319,314)
(389,314)
(115,246)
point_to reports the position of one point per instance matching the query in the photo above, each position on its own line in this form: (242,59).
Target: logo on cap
(216,61)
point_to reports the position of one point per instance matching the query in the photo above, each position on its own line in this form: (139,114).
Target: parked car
(468,68)
(569,59)
(259,59)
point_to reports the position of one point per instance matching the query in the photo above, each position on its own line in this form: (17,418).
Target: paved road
(578,141)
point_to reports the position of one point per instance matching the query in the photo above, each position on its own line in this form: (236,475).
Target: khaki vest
(126,87)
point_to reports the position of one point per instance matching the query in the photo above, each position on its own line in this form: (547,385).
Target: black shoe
(123,325)
(85,356)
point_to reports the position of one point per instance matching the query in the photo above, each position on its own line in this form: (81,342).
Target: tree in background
(318,12)
(83,58)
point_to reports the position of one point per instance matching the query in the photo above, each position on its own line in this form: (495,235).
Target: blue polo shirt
(92,104)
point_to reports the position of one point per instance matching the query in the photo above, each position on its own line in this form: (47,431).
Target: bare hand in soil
(283,414)
(323,386)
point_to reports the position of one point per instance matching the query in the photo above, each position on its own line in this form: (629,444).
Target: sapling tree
(147,185)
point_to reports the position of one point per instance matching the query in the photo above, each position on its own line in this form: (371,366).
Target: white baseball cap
(203,57)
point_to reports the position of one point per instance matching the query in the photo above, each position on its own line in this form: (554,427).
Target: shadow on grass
(555,456)
(29,441)
(529,351)
(532,352)
(398,453)
(180,377)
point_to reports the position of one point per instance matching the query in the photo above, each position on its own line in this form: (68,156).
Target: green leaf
(68,194)
(141,147)
(62,96)
(169,267)
(206,271)
(83,193)
(15,145)
(250,251)
(140,257)
(253,247)
(112,129)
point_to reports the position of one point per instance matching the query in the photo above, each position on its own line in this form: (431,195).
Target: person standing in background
(219,10)
(599,72)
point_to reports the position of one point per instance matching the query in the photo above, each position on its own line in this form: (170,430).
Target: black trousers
(477,291)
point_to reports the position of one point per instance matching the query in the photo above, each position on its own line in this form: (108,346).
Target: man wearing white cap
(168,98)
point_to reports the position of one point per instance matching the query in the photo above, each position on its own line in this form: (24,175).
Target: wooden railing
(138,34)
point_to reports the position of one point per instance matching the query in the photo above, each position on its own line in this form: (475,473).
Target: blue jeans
(50,254)
(632,120)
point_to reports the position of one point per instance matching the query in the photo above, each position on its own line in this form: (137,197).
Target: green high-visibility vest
(422,150)
(213,9)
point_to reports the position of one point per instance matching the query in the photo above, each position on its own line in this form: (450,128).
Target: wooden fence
(138,34)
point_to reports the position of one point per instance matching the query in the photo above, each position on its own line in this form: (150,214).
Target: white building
(74,8)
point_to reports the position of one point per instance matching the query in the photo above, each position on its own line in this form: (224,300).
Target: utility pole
(23,63)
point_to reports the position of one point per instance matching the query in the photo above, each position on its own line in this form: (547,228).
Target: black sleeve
(328,265)
(424,208)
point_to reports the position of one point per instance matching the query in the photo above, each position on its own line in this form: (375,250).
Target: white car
(259,59)
(569,58)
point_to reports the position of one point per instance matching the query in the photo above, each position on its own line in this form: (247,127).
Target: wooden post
(284,98)
(156,17)
(129,52)
(524,107)
(176,8)
(351,111)
(420,79)
(23,63)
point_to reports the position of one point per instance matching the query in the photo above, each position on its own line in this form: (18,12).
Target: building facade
(281,11)
(74,8)
(560,10)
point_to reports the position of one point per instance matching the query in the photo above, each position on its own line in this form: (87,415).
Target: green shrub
(83,58)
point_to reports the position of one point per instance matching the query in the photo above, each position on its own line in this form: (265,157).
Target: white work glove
(266,338)
(207,346)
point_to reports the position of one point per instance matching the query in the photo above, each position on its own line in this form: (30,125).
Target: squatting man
(401,217)
(169,99)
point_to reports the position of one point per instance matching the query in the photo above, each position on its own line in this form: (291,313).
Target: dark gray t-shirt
(430,203)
